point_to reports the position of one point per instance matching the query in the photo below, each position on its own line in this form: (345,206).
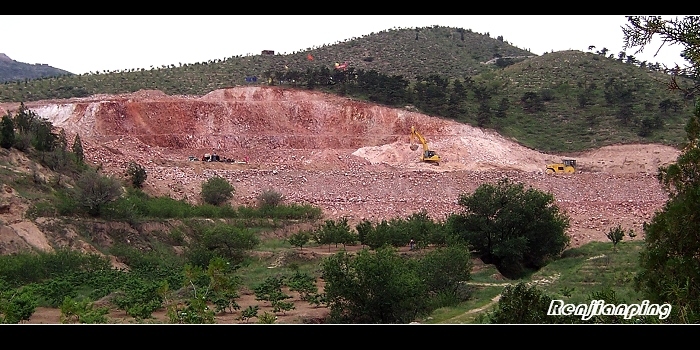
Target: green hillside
(560,101)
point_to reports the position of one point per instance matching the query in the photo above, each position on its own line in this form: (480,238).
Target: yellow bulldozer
(427,155)
(567,166)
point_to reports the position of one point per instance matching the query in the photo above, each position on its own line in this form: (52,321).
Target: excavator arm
(428,155)
(416,135)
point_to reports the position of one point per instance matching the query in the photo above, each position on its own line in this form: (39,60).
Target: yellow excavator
(428,155)
(567,166)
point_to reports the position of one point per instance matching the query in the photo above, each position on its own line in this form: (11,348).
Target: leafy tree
(224,285)
(194,310)
(271,290)
(139,298)
(639,31)
(333,232)
(363,229)
(221,240)
(217,190)
(483,116)
(373,287)
(455,104)
(250,312)
(615,235)
(306,286)
(44,139)
(648,124)
(93,191)
(503,106)
(7,132)
(512,227)
(136,173)
(25,119)
(77,149)
(532,102)
(669,261)
(670,268)
(625,113)
(445,268)
(419,227)
(300,238)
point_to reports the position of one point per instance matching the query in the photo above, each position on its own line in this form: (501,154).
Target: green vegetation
(670,269)
(594,270)
(217,191)
(558,102)
(514,228)
(136,173)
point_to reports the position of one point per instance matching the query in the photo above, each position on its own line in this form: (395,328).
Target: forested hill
(559,101)
(11,70)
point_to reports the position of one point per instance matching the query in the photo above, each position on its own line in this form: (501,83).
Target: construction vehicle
(427,155)
(567,166)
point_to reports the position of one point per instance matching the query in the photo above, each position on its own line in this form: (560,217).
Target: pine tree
(78,149)
(7,132)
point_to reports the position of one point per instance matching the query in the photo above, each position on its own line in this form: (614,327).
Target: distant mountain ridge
(11,70)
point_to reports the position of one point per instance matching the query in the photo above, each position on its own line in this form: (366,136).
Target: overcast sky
(81,44)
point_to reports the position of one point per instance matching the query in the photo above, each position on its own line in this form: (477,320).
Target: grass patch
(578,273)
(467,311)
(593,267)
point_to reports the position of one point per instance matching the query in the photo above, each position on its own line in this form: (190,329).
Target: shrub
(93,191)
(217,190)
(269,198)
(82,311)
(524,304)
(136,173)
(7,132)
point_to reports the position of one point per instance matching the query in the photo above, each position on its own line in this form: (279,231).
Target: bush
(444,269)
(269,198)
(524,304)
(16,305)
(82,311)
(93,191)
(217,190)
(136,173)
(221,240)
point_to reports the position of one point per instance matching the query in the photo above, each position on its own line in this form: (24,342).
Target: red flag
(309,57)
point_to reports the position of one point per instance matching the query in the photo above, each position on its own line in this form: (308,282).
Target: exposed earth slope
(349,157)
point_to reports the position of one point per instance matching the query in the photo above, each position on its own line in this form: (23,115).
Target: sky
(91,43)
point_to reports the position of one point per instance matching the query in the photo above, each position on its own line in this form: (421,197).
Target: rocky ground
(350,158)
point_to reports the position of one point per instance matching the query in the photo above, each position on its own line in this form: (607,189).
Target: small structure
(268,52)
